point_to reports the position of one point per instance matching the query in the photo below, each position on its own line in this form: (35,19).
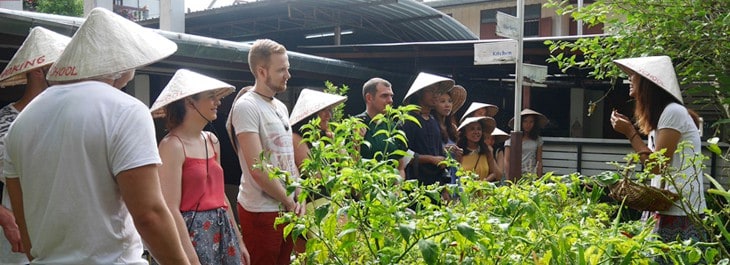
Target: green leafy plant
(339,111)
(60,7)
(372,216)
(692,33)
(713,221)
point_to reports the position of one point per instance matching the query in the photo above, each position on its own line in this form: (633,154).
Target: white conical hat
(186,83)
(229,121)
(424,80)
(489,121)
(107,43)
(499,135)
(657,69)
(42,47)
(311,102)
(491,109)
(541,121)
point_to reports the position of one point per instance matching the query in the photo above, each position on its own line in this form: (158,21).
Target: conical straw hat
(657,69)
(42,47)
(229,122)
(186,83)
(499,135)
(488,123)
(458,97)
(424,80)
(107,43)
(311,102)
(541,121)
(491,109)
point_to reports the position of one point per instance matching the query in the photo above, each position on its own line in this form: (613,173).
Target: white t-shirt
(252,113)
(529,153)
(691,182)
(66,147)
(7,256)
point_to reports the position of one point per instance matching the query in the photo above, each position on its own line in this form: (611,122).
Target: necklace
(273,108)
(264,96)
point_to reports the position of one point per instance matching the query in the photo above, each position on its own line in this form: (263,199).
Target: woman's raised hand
(622,124)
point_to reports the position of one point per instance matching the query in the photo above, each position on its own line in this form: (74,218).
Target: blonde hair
(261,52)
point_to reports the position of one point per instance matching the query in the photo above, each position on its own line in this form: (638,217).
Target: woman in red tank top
(191,177)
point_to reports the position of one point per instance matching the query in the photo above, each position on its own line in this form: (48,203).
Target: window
(532,12)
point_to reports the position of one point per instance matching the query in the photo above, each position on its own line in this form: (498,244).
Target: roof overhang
(291,21)
(227,57)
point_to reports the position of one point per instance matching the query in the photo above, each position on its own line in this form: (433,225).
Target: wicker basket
(642,197)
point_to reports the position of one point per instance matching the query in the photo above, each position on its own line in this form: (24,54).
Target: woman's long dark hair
(462,142)
(650,103)
(175,112)
(448,129)
(536,129)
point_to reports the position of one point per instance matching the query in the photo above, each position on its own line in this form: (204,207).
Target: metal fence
(589,156)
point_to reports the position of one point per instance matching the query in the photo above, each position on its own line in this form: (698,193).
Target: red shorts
(266,245)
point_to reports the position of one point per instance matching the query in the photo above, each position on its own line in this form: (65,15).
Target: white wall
(12,4)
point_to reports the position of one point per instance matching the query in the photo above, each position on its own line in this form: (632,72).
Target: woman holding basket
(660,113)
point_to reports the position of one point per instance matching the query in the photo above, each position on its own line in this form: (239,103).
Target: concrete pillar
(599,118)
(12,4)
(172,15)
(139,88)
(578,106)
(91,4)
(338,35)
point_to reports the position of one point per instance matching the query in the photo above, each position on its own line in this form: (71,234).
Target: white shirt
(251,113)
(66,147)
(7,256)
(529,153)
(689,178)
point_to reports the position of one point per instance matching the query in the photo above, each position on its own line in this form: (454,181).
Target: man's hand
(436,160)
(11,230)
(296,208)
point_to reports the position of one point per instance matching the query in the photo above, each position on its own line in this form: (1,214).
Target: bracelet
(633,135)
(645,152)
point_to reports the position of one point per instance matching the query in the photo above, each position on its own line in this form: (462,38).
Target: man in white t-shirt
(261,125)
(28,67)
(81,159)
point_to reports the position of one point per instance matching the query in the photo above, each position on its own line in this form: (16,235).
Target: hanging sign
(535,73)
(502,52)
(507,26)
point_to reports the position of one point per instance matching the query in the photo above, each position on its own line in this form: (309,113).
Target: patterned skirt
(676,228)
(672,228)
(213,236)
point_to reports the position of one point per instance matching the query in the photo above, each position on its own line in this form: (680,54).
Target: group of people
(87,183)
(474,141)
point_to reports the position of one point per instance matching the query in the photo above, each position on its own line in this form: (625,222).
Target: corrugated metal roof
(290,21)
(193,51)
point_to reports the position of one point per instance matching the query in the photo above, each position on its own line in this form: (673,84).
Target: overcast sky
(197,5)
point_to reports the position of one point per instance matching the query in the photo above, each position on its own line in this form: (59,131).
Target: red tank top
(202,190)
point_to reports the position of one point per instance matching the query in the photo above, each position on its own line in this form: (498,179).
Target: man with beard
(378,94)
(261,124)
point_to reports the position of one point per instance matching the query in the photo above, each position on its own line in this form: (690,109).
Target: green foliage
(714,220)
(370,215)
(695,34)
(73,8)
(339,111)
